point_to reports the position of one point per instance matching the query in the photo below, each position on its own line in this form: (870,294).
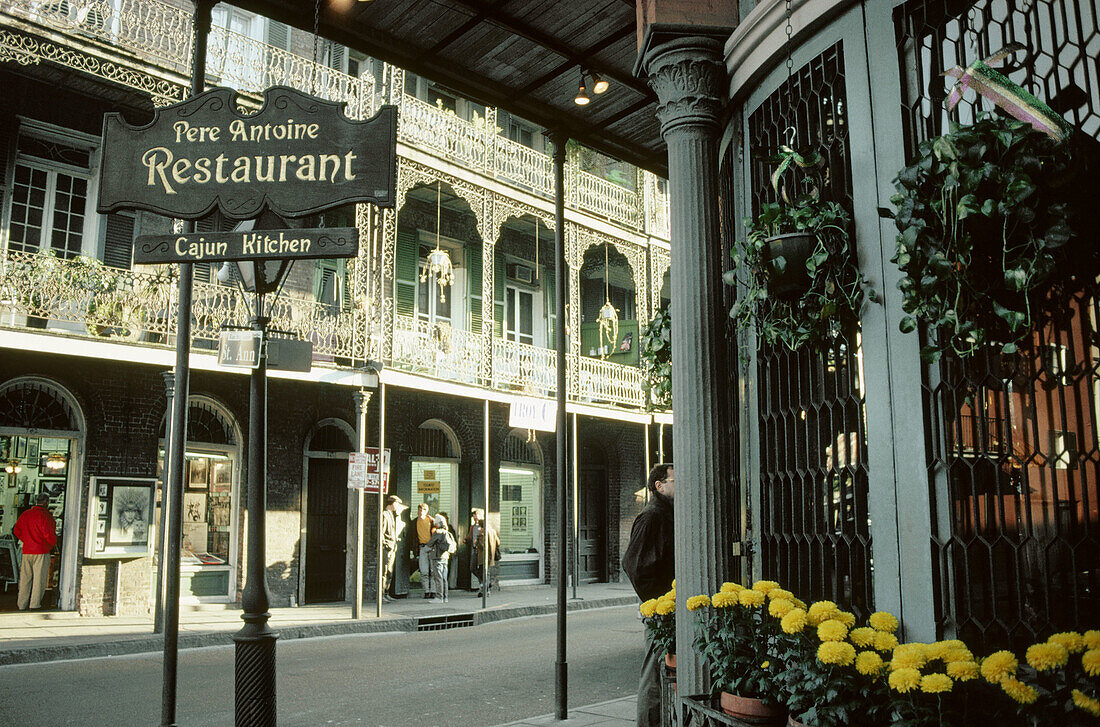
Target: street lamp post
(254,657)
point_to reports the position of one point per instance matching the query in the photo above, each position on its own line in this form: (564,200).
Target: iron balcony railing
(82,297)
(145,33)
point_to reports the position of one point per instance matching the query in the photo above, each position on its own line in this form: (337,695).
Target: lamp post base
(254,670)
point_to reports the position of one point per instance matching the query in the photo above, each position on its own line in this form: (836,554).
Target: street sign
(240,349)
(297,155)
(207,247)
(289,354)
(363,470)
(538,414)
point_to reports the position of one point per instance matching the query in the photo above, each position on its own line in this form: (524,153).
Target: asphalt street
(483,675)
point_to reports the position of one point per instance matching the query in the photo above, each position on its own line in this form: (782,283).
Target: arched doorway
(42,443)
(211,501)
(521,517)
(435,459)
(325,535)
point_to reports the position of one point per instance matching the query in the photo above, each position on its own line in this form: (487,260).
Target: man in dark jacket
(651,567)
(37,531)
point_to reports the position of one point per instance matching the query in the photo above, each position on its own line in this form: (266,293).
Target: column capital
(688,76)
(169,382)
(362,399)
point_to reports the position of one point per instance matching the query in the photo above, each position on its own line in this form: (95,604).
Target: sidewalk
(27,637)
(615,713)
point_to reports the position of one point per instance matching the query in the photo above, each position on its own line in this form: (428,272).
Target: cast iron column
(687,74)
(162,525)
(177,429)
(254,662)
(561,666)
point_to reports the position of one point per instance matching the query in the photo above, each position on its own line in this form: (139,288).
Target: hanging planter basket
(788,278)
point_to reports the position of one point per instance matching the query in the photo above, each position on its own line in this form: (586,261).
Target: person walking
(37,531)
(650,564)
(392,525)
(440,548)
(478,533)
(423,534)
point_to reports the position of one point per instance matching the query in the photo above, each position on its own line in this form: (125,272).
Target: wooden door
(326,530)
(591,526)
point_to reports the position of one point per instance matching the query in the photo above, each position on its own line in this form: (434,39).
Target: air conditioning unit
(520,273)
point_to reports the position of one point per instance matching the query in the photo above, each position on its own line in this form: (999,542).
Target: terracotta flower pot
(752,710)
(670,661)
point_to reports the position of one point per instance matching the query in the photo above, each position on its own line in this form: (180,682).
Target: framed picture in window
(19,451)
(52,486)
(120,516)
(198,474)
(32,452)
(223,476)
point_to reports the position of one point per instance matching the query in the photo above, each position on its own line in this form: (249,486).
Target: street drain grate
(440,623)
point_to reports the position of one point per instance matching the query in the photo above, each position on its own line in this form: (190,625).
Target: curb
(151,644)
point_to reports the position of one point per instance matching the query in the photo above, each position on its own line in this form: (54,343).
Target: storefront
(520,517)
(41,437)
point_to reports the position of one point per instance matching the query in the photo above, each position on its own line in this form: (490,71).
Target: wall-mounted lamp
(582,98)
(599,85)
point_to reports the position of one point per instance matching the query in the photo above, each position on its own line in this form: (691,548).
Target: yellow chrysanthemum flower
(1086,703)
(665,606)
(999,665)
(723,600)
(1019,691)
(885,642)
(1090,660)
(648,608)
(674,583)
(904,680)
(869,663)
(958,653)
(936,650)
(799,603)
(765,664)
(1071,640)
(821,611)
(1092,639)
(846,618)
(936,683)
(962,671)
(729,587)
(1044,657)
(777,594)
(831,630)
(780,607)
(909,656)
(883,621)
(696,602)
(836,652)
(751,598)
(863,636)
(794,621)
(765,586)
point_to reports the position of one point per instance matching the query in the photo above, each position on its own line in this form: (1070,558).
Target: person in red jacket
(37,531)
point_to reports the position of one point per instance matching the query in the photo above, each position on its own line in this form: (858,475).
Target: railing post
(489,137)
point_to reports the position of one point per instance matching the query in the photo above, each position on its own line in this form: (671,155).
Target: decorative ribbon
(996,87)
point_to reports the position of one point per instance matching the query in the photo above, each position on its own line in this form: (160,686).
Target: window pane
(526,314)
(519,511)
(27,205)
(68,217)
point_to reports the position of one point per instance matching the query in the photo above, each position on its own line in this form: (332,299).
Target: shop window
(520,522)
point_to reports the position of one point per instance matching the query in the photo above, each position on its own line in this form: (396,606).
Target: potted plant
(796,269)
(986,243)
(736,638)
(656,355)
(659,617)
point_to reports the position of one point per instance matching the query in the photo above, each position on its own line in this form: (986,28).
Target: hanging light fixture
(608,317)
(56,462)
(12,467)
(599,84)
(439,267)
(582,98)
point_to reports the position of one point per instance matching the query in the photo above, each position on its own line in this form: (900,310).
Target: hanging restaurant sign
(322,242)
(297,155)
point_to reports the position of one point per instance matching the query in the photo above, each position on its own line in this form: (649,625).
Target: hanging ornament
(439,267)
(608,316)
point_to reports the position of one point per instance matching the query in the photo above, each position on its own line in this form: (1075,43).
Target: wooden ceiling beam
(555,45)
(566,65)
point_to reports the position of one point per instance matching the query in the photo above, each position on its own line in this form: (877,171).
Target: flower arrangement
(827,670)
(659,617)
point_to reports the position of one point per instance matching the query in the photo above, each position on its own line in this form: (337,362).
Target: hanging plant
(656,354)
(796,269)
(984,236)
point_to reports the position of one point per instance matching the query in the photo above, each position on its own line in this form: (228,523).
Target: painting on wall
(194,507)
(131,510)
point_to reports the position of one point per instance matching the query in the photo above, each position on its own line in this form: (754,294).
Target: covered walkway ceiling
(524,56)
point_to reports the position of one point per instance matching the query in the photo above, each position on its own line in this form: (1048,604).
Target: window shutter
(408,252)
(499,285)
(473,291)
(118,242)
(278,34)
(337,54)
(551,310)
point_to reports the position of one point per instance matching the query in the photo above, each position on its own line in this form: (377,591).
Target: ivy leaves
(656,354)
(982,231)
